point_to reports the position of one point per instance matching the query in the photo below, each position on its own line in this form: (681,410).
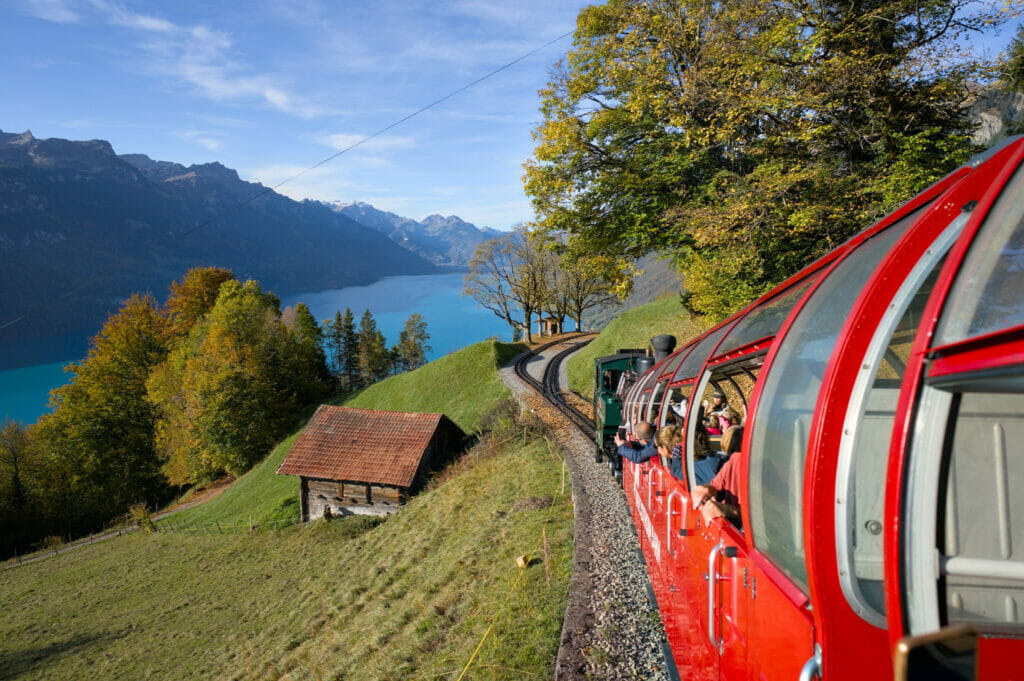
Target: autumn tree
(20,512)
(508,276)
(743,139)
(587,283)
(232,389)
(412,345)
(193,297)
(98,442)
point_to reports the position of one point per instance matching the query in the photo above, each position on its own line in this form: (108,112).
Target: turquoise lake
(453,322)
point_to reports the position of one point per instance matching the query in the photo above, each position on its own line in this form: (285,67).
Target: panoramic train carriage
(876,506)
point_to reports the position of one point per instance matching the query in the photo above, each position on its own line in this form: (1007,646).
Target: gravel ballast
(611,628)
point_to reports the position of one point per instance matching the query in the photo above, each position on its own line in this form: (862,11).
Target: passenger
(679,407)
(714,425)
(641,449)
(719,403)
(705,462)
(667,440)
(731,441)
(718,498)
(727,418)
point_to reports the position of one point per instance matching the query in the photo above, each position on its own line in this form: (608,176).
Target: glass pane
(674,407)
(781,427)
(988,294)
(767,319)
(870,420)
(673,363)
(983,552)
(655,406)
(695,360)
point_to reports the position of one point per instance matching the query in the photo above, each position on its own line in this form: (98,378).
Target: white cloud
(203,139)
(320,184)
(197,56)
(52,10)
(119,16)
(340,141)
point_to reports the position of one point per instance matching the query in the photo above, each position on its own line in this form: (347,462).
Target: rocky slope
(81,228)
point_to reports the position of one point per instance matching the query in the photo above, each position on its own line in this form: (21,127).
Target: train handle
(812,668)
(729,552)
(683,505)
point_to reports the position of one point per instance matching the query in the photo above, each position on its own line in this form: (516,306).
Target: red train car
(880,520)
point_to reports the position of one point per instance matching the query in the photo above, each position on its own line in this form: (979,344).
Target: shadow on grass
(18,662)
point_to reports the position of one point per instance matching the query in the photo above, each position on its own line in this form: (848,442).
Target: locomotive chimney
(663,346)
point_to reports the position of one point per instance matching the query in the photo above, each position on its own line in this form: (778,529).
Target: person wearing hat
(719,403)
(641,449)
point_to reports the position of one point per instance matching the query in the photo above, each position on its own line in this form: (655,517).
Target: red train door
(954,507)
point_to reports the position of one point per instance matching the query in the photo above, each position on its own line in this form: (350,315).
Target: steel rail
(548,387)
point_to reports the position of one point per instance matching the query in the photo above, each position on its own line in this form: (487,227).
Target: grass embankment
(632,329)
(462,385)
(409,598)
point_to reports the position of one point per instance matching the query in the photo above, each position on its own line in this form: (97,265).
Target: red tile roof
(362,445)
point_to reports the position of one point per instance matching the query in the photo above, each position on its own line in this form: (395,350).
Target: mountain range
(82,228)
(446,241)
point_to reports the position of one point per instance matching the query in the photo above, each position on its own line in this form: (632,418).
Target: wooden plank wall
(347,498)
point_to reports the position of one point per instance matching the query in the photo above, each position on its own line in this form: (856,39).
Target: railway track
(548,386)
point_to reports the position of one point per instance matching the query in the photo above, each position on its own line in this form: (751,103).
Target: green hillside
(408,598)
(462,385)
(631,329)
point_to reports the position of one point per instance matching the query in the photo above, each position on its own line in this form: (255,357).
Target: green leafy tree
(373,351)
(412,345)
(333,334)
(310,338)
(744,139)
(21,519)
(350,351)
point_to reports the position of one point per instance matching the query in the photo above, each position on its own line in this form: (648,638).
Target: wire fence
(237,527)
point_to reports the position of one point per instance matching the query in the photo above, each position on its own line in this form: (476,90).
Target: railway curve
(611,628)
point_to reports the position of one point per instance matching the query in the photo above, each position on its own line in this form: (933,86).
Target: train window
(987,295)
(982,563)
(654,408)
(673,363)
(767,319)
(675,404)
(781,428)
(971,568)
(867,431)
(610,380)
(708,438)
(690,367)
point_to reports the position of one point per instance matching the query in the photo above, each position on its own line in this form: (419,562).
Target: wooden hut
(366,461)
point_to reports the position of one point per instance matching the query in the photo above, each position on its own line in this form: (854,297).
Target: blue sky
(270,87)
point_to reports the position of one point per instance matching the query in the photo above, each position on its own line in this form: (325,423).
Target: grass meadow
(632,329)
(430,592)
